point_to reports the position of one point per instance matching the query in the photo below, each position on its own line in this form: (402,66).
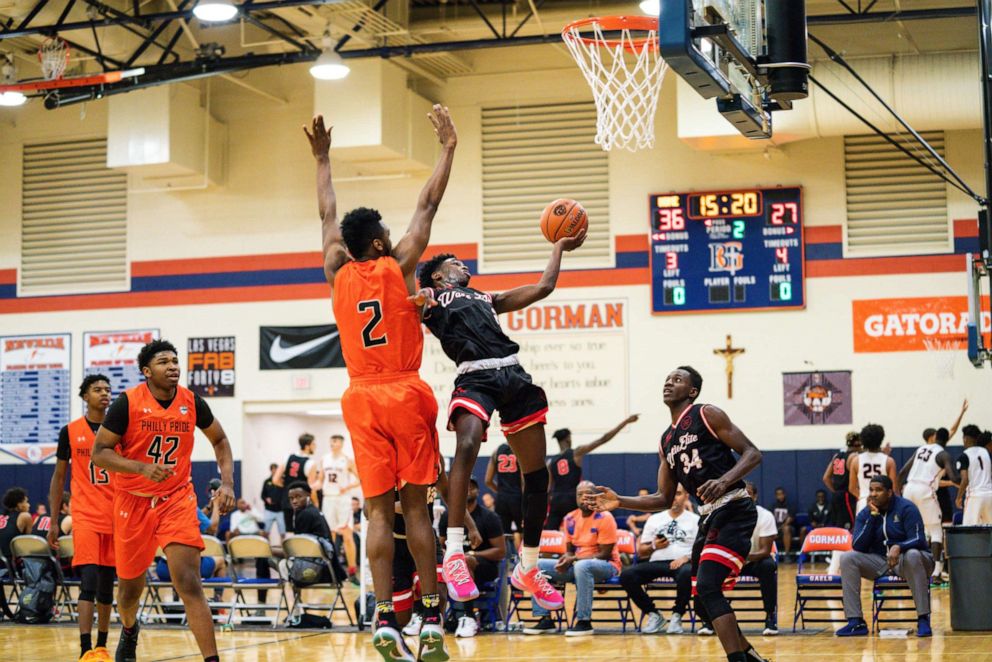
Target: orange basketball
(563,218)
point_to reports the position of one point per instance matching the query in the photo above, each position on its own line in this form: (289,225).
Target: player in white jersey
(975,466)
(338,476)
(870,463)
(920,478)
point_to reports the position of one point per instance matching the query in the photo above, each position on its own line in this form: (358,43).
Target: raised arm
(730,435)
(957,423)
(593,445)
(332,243)
(525,295)
(224,496)
(410,248)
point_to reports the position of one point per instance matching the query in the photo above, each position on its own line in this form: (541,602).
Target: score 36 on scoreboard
(727,250)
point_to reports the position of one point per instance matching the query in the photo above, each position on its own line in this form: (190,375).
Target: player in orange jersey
(92,490)
(155,505)
(390,412)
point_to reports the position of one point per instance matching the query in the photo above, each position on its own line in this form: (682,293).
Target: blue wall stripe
(824,251)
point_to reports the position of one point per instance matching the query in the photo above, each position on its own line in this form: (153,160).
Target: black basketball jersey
(465,322)
(507,471)
(8,530)
(43,525)
(694,453)
(566,473)
(839,474)
(295,472)
(399,524)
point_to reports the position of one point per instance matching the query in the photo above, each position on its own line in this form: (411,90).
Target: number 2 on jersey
(376,307)
(162,449)
(695,462)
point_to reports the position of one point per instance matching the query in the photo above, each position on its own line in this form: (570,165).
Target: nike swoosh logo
(280,354)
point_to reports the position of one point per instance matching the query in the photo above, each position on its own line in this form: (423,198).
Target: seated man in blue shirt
(888,536)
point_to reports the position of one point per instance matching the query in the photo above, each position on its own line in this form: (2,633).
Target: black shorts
(405,573)
(842,505)
(520,402)
(510,508)
(725,536)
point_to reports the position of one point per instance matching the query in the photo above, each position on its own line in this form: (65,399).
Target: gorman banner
(907,325)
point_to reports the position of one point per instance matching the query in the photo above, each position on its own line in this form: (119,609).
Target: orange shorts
(143,524)
(393,425)
(90,547)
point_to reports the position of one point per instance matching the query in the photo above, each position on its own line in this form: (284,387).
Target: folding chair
(308,547)
(553,546)
(887,590)
(9,579)
(213,547)
(611,592)
(66,551)
(250,548)
(812,588)
(28,546)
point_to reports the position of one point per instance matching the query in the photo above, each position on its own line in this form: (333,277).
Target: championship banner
(908,325)
(299,347)
(34,394)
(115,354)
(210,366)
(817,398)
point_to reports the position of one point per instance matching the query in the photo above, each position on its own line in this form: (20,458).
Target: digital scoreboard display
(727,250)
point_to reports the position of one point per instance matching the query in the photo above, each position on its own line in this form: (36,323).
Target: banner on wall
(817,398)
(210,366)
(115,354)
(906,325)
(34,394)
(299,347)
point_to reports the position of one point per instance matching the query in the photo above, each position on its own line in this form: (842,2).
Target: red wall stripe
(824,234)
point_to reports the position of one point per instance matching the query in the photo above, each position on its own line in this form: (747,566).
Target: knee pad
(89,581)
(536,482)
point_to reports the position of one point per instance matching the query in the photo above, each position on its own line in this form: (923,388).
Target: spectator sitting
(784,519)
(634,522)
(592,557)
(16,520)
(245,521)
(488,500)
(483,559)
(272,498)
(210,566)
(310,521)
(223,521)
(888,536)
(667,538)
(43,524)
(819,513)
(761,563)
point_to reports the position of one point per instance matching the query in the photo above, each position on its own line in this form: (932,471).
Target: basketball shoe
(461,586)
(536,583)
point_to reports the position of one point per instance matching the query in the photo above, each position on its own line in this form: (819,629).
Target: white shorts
(977,509)
(925,499)
(337,512)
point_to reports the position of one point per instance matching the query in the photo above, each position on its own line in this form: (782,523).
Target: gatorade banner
(210,366)
(906,325)
(115,354)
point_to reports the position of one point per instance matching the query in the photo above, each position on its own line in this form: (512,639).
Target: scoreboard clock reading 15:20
(727,250)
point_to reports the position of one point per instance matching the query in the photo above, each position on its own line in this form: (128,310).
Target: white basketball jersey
(925,468)
(869,466)
(335,469)
(979,471)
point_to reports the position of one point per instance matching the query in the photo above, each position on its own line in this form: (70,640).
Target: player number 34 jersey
(694,453)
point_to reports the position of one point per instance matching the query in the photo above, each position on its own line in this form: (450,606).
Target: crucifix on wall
(729,353)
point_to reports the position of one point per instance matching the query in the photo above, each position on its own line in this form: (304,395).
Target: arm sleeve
(117,416)
(607,531)
(963,461)
(204,417)
(64,451)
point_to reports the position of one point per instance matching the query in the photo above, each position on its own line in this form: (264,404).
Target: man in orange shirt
(92,490)
(390,412)
(155,505)
(592,557)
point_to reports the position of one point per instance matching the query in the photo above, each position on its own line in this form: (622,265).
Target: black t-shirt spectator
(486,521)
(311,521)
(118,417)
(819,514)
(781,510)
(64,451)
(272,496)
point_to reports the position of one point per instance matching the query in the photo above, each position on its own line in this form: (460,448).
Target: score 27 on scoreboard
(727,250)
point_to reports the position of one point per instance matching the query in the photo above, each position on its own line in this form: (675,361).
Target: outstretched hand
(444,128)
(423,297)
(319,136)
(602,500)
(571,243)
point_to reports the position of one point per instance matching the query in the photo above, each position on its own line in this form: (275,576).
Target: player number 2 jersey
(694,453)
(157,435)
(380,328)
(92,487)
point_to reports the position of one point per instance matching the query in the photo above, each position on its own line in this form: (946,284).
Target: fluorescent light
(329,66)
(651,7)
(12,99)
(215,11)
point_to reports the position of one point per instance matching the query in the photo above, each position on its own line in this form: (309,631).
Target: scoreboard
(727,250)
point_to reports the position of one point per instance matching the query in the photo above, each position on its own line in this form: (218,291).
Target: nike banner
(299,347)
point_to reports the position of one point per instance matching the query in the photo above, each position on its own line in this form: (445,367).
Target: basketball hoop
(943,354)
(624,71)
(54,57)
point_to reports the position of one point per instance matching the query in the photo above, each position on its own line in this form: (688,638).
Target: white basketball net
(54,56)
(943,353)
(625,75)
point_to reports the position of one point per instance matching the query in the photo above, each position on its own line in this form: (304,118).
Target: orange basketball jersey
(158,436)
(380,329)
(92,487)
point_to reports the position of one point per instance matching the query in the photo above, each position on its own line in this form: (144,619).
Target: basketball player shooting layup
(490,378)
(696,452)
(155,505)
(390,412)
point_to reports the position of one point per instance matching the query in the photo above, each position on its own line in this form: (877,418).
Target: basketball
(563,218)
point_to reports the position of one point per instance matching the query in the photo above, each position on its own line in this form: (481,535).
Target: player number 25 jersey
(157,435)
(92,487)
(694,453)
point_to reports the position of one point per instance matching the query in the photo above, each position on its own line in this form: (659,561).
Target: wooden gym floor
(56,643)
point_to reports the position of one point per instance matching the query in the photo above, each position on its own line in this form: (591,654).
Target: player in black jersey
(836,477)
(697,451)
(503,478)
(490,378)
(299,467)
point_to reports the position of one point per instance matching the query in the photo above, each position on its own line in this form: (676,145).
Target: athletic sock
(85,643)
(101,638)
(432,608)
(456,540)
(529,556)
(385,615)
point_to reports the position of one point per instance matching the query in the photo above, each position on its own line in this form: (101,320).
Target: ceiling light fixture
(651,7)
(329,66)
(215,11)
